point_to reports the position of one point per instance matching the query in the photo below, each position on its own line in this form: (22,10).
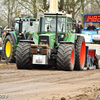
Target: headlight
(62,36)
(38,50)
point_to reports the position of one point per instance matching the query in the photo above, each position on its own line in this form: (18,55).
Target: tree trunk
(92,1)
(82,5)
(8,13)
(35,9)
(45,4)
(61,5)
(72,5)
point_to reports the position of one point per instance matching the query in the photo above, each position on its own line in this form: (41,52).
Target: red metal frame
(92,53)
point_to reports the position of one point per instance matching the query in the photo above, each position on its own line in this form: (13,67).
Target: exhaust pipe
(56,40)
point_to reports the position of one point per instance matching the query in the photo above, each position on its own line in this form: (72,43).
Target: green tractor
(57,45)
(25,28)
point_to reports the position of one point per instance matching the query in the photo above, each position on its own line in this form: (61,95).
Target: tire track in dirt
(48,84)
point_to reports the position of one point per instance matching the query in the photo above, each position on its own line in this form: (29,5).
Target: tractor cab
(55,28)
(26,26)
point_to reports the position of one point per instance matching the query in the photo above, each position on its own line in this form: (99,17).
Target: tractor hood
(47,39)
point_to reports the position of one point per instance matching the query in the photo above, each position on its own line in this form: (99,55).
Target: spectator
(78,27)
(91,26)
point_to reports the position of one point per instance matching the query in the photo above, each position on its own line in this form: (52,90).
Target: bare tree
(9,8)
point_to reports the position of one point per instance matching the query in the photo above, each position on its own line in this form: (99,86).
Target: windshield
(49,24)
(28,28)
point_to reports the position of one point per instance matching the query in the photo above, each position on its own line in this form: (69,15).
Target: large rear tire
(9,52)
(66,57)
(80,53)
(23,56)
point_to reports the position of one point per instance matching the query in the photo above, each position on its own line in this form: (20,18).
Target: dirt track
(46,84)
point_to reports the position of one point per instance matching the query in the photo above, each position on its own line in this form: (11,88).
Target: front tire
(66,57)
(23,56)
(9,49)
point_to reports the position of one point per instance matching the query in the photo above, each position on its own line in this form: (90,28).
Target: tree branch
(98,3)
(25,7)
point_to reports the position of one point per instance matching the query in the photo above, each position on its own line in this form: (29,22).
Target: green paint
(35,37)
(71,37)
(51,38)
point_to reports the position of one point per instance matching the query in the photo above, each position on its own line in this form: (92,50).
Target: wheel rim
(72,57)
(82,54)
(8,49)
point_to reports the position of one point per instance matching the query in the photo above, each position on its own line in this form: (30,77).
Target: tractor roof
(27,19)
(59,14)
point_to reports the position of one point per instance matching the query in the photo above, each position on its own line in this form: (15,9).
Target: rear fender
(12,36)
(71,37)
(28,41)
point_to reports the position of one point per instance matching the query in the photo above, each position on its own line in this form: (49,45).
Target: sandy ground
(45,84)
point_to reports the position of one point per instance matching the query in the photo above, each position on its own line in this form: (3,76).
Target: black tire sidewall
(64,57)
(20,63)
